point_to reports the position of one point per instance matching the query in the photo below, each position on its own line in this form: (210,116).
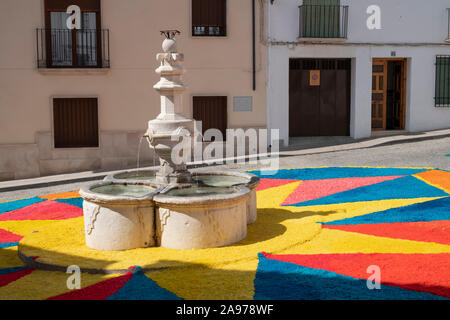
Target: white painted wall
(414,29)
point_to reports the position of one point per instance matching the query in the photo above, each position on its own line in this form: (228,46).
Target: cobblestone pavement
(430,153)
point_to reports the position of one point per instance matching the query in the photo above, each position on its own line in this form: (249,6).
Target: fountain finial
(169,44)
(170,34)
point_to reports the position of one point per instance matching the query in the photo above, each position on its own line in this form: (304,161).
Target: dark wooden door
(319,110)
(212,111)
(379,94)
(398,102)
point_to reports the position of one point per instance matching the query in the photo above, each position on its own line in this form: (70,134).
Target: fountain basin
(191,217)
(134,177)
(232,178)
(118,216)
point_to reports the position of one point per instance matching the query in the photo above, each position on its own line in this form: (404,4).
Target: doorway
(319,97)
(388,94)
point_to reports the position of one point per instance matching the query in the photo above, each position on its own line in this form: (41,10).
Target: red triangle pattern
(5,279)
(315,189)
(6,236)
(420,272)
(273,183)
(433,231)
(46,210)
(99,291)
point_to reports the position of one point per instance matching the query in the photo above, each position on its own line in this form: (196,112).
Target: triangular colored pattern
(273,197)
(9,244)
(18,204)
(418,272)
(338,172)
(272,183)
(432,231)
(407,187)
(140,287)
(288,281)
(314,189)
(437,178)
(12,274)
(63,195)
(7,236)
(98,291)
(433,210)
(46,210)
(77,202)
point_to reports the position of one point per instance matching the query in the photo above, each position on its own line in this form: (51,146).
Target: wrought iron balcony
(64,48)
(323,22)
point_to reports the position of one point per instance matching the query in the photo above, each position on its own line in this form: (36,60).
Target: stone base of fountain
(201,217)
(118,217)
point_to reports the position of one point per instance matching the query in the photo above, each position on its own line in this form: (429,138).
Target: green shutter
(321,18)
(442,81)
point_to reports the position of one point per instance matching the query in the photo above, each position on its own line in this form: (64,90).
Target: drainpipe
(253,46)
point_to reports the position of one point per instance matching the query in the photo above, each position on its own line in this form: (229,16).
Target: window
(323,19)
(73,48)
(442,96)
(209,18)
(212,111)
(75,122)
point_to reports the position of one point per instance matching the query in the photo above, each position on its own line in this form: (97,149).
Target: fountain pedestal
(171,128)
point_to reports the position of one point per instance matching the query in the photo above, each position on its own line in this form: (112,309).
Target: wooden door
(304,105)
(323,108)
(212,112)
(379,93)
(398,99)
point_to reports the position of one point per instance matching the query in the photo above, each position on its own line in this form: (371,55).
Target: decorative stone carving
(170,127)
(117,222)
(202,221)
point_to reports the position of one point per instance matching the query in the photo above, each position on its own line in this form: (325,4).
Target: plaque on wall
(242,103)
(314,77)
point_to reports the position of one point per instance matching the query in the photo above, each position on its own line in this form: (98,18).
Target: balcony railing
(64,48)
(323,21)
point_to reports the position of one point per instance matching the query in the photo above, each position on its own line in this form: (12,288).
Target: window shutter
(75,122)
(442,96)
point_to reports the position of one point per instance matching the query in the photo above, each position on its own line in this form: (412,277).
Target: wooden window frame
(196,20)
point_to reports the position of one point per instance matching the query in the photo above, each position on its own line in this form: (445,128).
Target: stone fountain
(170,207)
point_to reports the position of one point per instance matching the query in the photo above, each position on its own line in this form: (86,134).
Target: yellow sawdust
(63,244)
(26,227)
(9,258)
(274,197)
(196,281)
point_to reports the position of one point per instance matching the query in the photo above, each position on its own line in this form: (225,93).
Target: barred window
(209,18)
(442,97)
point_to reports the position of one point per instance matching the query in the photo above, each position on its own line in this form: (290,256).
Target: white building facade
(351,67)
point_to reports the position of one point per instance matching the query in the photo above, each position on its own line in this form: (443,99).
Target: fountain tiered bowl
(212,210)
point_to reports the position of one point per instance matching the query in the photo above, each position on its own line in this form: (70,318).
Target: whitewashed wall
(414,29)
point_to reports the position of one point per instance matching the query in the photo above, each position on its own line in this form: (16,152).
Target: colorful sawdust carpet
(320,234)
